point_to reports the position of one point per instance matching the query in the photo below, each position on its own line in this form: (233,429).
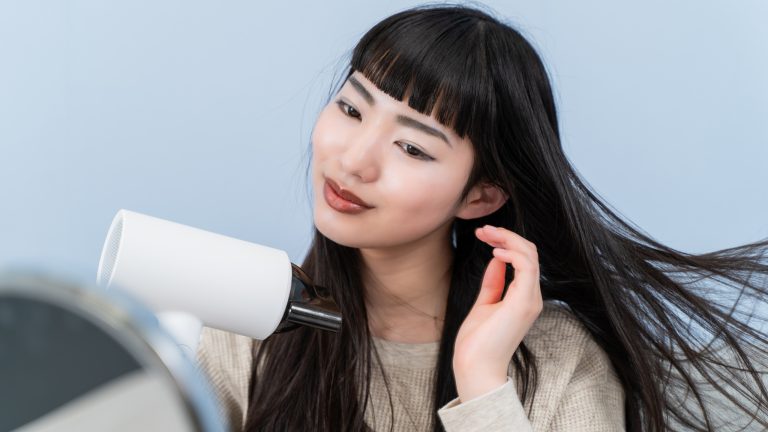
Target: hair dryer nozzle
(309,305)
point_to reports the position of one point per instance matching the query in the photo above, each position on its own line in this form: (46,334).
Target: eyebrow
(403,120)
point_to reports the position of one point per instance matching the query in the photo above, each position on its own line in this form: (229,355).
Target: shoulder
(569,361)
(565,352)
(229,352)
(558,335)
(226,359)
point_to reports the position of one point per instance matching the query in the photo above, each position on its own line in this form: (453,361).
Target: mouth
(343,200)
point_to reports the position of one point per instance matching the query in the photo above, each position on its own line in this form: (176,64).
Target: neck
(406,288)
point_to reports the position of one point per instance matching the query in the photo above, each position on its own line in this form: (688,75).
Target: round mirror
(81,359)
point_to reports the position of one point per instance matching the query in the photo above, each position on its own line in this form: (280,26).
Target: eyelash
(423,156)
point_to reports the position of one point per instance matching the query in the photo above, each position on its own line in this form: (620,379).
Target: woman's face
(408,168)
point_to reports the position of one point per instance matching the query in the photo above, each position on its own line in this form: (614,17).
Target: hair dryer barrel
(227,283)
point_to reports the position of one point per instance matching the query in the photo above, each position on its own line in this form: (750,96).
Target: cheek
(429,194)
(327,134)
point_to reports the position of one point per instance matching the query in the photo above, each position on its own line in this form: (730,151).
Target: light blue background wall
(201,112)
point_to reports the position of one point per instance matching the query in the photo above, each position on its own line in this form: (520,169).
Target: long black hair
(655,310)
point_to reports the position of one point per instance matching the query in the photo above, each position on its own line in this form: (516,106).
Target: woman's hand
(494,328)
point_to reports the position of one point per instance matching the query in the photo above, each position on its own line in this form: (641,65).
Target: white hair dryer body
(191,277)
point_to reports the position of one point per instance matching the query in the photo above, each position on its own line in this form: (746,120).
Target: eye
(347,109)
(414,151)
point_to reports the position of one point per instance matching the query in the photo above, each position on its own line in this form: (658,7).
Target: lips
(347,195)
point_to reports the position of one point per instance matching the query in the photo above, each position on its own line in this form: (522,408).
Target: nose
(361,157)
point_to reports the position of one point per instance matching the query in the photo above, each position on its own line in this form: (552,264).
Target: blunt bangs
(437,60)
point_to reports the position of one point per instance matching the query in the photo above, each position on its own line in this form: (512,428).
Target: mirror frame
(136,328)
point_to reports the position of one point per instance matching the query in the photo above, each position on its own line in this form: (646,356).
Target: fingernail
(490,228)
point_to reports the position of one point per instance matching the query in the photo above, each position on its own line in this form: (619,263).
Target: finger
(520,253)
(481,234)
(493,282)
(525,284)
(504,238)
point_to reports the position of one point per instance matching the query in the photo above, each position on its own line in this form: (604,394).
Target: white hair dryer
(191,277)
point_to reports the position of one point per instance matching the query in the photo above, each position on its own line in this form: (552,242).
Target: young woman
(483,285)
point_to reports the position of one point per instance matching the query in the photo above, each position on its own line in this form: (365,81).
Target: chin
(343,235)
(360,234)
(336,231)
(340,236)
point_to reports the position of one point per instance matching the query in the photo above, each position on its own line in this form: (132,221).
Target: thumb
(493,282)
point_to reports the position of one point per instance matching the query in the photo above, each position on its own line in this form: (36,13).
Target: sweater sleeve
(498,410)
(592,400)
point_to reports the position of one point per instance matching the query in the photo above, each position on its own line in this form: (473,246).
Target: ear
(482,200)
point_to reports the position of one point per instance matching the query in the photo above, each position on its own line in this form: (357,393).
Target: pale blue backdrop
(201,112)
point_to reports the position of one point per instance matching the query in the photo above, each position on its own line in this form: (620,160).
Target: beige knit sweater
(578,388)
